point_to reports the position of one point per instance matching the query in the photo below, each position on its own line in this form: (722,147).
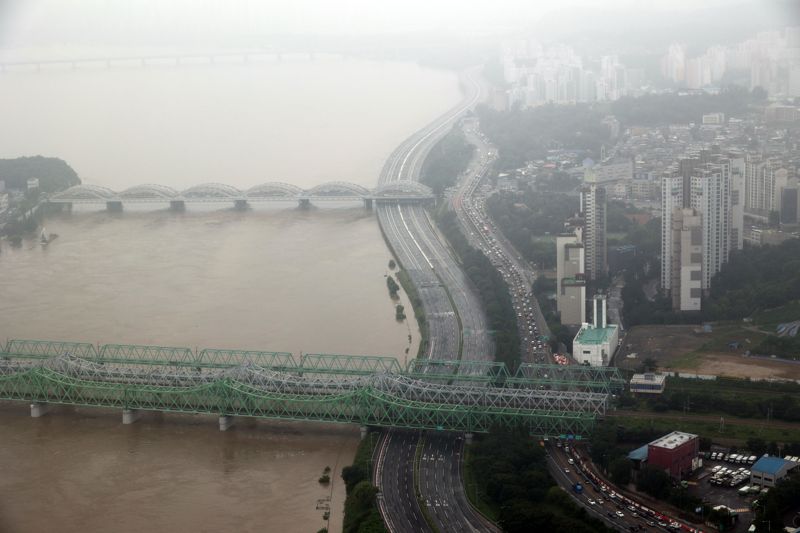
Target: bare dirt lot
(689,349)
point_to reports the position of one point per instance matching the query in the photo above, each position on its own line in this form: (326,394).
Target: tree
(620,471)
(654,482)
(393,286)
(53,174)
(352,475)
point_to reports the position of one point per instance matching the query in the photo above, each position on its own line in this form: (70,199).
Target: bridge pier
(364,431)
(225,422)
(368,203)
(39,409)
(305,203)
(179,206)
(468,438)
(129,416)
(240,205)
(114,206)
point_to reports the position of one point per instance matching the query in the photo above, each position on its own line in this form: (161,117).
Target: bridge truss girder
(379,399)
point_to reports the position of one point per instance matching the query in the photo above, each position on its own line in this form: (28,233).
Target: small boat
(44,240)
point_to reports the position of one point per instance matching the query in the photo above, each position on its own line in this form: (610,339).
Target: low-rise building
(769,470)
(596,343)
(676,453)
(648,383)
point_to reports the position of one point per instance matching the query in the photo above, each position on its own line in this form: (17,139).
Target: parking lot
(713,483)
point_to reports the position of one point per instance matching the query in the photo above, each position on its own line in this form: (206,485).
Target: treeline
(735,397)
(53,173)
(662,109)
(527,134)
(492,291)
(512,472)
(446,161)
(758,277)
(361,514)
(531,214)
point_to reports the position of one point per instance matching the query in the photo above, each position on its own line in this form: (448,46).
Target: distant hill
(54,174)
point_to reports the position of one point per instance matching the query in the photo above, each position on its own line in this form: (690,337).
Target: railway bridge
(462,396)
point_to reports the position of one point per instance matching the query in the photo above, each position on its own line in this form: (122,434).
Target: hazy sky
(33,21)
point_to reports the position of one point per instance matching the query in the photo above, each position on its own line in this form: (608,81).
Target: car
(620,514)
(566,470)
(591,501)
(610,514)
(570,461)
(600,501)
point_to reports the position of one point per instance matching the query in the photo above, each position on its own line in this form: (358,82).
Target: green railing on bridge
(547,399)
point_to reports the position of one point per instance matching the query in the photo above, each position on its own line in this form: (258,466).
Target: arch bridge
(369,391)
(276,191)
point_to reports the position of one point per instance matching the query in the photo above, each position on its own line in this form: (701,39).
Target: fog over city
(399,266)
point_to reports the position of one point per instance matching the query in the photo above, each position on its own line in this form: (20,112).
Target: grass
(769,319)
(419,311)
(734,388)
(474,491)
(688,360)
(730,430)
(726,332)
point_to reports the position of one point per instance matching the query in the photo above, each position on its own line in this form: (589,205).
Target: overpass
(369,391)
(341,191)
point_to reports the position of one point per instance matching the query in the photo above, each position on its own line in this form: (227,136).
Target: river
(270,279)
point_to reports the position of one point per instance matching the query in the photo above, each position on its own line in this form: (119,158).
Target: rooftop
(648,378)
(590,335)
(770,465)
(673,440)
(639,454)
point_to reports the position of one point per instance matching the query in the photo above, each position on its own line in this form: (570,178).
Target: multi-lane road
(619,511)
(457,329)
(469,203)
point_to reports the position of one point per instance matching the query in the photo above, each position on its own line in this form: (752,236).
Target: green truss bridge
(369,391)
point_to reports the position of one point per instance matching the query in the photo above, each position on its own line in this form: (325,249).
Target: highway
(394,475)
(457,329)
(469,203)
(438,477)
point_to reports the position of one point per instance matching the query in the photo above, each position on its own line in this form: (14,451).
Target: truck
(578,488)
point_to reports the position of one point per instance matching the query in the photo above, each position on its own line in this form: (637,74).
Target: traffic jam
(614,504)
(483,232)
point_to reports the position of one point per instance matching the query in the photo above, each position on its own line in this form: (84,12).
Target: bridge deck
(330,388)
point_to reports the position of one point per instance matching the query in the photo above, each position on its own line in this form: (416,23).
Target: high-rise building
(686,260)
(593,211)
(790,203)
(671,202)
(764,180)
(738,170)
(570,281)
(711,196)
(711,185)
